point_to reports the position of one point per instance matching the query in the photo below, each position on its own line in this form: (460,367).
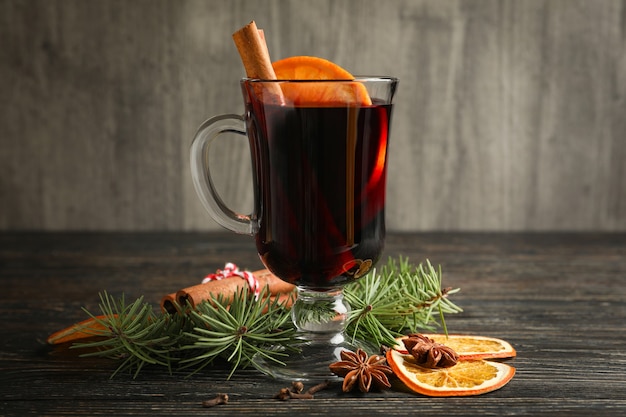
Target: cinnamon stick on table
(250,42)
(227,288)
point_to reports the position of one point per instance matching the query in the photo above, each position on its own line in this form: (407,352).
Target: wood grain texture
(558,298)
(511,115)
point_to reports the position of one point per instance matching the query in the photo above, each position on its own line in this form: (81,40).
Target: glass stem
(320,316)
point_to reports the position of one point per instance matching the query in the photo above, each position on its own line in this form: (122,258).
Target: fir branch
(238,332)
(398,299)
(133,334)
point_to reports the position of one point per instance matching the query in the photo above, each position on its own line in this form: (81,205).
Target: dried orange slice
(84,330)
(467,377)
(316,94)
(470,347)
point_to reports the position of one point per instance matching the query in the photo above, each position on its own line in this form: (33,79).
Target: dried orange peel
(299,68)
(467,377)
(473,374)
(92,327)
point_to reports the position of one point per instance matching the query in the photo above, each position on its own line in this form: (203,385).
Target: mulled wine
(319,178)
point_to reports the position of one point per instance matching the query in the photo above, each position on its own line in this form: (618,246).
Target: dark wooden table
(560,299)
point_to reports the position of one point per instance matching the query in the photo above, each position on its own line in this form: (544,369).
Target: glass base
(312,361)
(319,317)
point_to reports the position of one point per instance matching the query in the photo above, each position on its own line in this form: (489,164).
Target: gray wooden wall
(511,114)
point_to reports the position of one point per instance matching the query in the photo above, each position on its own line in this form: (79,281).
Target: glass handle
(201,175)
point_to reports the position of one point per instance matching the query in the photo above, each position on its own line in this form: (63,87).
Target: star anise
(429,353)
(357,367)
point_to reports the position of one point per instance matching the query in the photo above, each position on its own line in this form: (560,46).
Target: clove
(297,386)
(296,396)
(318,387)
(295,392)
(284,394)
(219,399)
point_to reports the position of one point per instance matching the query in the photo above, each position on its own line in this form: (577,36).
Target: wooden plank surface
(511,115)
(558,298)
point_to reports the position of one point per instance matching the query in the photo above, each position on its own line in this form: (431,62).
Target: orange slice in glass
(469,346)
(328,93)
(467,377)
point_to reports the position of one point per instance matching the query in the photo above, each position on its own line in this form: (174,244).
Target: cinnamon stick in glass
(250,42)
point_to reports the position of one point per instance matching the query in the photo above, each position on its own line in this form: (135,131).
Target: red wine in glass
(320,177)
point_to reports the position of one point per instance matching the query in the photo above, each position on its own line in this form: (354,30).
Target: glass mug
(319,179)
